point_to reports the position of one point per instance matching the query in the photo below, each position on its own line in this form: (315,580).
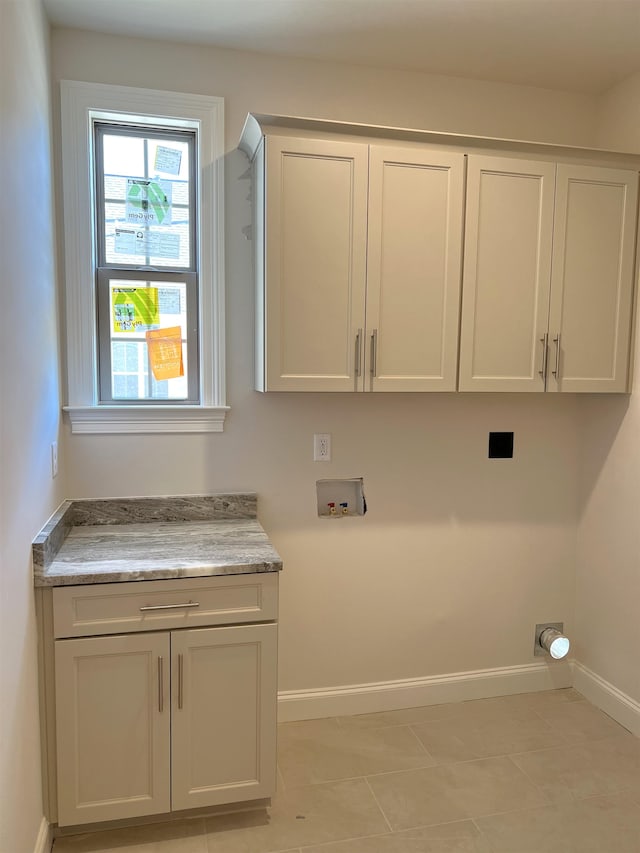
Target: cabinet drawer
(80,611)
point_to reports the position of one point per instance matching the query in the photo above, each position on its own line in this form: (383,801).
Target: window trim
(80,103)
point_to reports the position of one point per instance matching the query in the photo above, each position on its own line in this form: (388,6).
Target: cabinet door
(413,268)
(315,256)
(507,274)
(224,715)
(112,727)
(592,279)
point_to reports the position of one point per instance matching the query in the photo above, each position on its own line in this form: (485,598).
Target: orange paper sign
(165,352)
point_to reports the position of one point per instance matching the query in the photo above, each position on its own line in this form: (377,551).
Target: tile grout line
(280,778)
(553,728)
(482,835)
(422,746)
(543,794)
(375,799)
(435,766)
(569,745)
(343,841)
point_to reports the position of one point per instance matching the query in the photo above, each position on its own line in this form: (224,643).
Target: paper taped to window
(165,353)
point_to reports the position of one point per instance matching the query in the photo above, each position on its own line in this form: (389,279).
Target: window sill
(146,419)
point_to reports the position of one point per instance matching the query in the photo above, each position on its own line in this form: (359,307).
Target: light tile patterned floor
(533,773)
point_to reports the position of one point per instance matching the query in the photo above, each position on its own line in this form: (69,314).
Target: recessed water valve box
(341,498)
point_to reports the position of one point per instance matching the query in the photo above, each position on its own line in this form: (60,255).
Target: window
(147,273)
(142,180)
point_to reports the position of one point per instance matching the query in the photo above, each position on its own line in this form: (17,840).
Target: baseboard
(44,841)
(608,698)
(431,690)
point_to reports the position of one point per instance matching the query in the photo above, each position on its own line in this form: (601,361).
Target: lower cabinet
(223,715)
(113,726)
(148,723)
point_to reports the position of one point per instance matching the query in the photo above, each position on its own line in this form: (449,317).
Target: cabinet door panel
(507,270)
(592,278)
(112,736)
(315,241)
(224,715)
(414,267)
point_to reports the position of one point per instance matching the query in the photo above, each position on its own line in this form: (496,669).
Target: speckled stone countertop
(112,540)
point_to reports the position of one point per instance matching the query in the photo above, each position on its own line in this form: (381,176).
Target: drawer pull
(169,606)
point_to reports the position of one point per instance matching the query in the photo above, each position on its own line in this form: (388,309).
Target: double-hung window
(143,213)
(147,275)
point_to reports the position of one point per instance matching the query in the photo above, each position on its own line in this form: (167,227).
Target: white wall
(29,401)
(608,581)
(251,81)
(452,539)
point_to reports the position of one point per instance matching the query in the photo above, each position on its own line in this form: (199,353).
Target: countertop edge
(44,581)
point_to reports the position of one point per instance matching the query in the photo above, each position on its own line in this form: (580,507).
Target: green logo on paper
(134,309)
(148,202)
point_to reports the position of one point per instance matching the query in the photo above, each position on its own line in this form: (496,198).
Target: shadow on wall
(602,419)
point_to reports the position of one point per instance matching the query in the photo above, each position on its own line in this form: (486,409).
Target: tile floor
(533,773)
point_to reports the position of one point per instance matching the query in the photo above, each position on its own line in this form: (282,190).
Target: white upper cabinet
(592,279)
(507,268)
(414,258)
(548,276)
(400,260)
(358,255)
(315,236)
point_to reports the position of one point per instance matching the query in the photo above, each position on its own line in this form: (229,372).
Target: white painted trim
(608,698)
(44,841)
(79,100)
(257,123)
(412,692)
(146,419)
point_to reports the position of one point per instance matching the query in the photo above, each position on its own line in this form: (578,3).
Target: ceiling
(576,45)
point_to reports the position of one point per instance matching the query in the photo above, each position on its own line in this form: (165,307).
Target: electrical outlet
(54,459)
(322,447)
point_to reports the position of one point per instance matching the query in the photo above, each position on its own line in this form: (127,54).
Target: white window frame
(81,102)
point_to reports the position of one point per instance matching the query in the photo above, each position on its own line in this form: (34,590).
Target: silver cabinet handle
(374,352)
(180,682)
(160,685)
(358,359)
(556,341)
(168,606)
(544,340)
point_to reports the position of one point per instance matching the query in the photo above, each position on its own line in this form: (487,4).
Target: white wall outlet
(322,447)
(54,459)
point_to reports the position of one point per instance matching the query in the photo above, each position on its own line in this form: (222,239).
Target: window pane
(148,366)
(146,216)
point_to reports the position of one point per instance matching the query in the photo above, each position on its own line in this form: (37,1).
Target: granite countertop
(113,540)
